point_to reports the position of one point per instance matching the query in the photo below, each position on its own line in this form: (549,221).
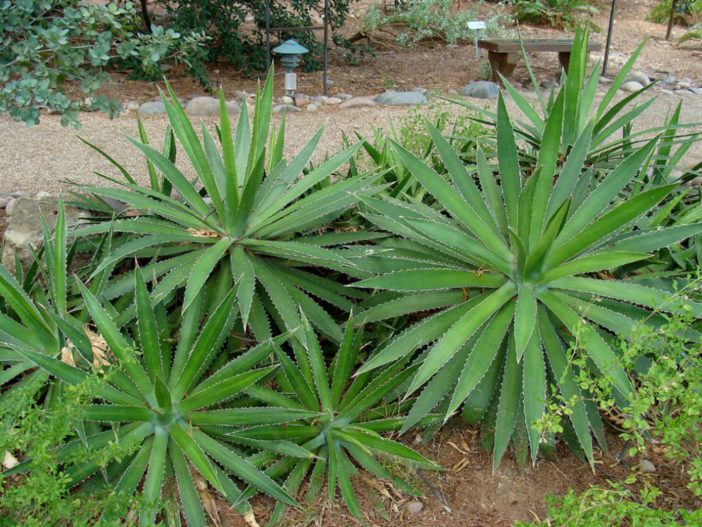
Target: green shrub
(556,13)
(684,11)
(46,43)
(222,20)
(431,19)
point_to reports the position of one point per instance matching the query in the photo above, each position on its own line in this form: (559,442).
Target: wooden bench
(503,54)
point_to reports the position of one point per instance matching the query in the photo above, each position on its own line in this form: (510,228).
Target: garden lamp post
(290,52)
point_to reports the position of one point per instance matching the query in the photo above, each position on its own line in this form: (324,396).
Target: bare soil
(466,493)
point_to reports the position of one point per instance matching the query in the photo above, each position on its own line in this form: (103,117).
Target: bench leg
(564,59)
(503,63)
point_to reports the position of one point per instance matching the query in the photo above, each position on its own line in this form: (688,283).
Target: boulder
(632,86)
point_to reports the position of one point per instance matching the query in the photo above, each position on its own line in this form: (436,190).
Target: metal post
(326,45)
(609,37)
(268,36)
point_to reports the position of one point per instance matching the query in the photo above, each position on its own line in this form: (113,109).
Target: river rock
(481,90)
(638,76)
(331,101)
(280,108)
(400,98)
(204,105)
(312,107)
(152,108)
(632,86)
(358,102)
(415,507)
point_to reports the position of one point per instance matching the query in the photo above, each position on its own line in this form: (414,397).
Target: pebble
(312,108)
(452,92)
(696,91)
(286,99)
(344,96)
(131,106)
(646,466)
(683,85)
(605,80)
(42,195)
(415,507)
(302,100)
(204,105)
(668,92)
(331,101)
(669,80)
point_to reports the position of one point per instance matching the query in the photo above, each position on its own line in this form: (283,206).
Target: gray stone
(400,98)
(415,507)
(165,67)
(286,99)
(668,92)
(205,105)
(683,85)
(646,466)
(280,108)
(547,85)
(696,91)
(152,108)
(638,76)
(605,80)
(669,80)
(481,90)
(632,86)
(331,101)
(344,96)
(678,91)
(131,106)
(24,231)
(312,108)
(452,92)
(358,102)
(42,194)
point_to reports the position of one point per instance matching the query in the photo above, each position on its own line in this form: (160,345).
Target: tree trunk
(145,15)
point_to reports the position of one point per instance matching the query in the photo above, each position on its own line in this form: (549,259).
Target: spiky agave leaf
(248,210)
(530,260)
(352,413)
(155,400)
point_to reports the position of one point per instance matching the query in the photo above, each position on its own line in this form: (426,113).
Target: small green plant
(664,364)
(389,83)
(353,410)
(32,431)
(684,11)
(432,19)
(556,13)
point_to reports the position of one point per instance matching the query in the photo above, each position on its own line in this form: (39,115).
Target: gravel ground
(47,156)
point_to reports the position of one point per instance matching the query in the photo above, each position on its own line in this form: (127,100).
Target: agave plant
(350,412)
(242,220)
(521,262)
(39,306)
(609,117)
(155,398)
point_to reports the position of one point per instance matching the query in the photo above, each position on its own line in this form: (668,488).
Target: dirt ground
(466,493)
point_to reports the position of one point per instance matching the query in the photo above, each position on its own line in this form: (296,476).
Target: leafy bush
(684,11)
(521,267)
(431,19)
(223,20)
(46,43)
(556,13)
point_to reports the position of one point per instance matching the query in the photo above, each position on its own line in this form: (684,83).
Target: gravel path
(44,157)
